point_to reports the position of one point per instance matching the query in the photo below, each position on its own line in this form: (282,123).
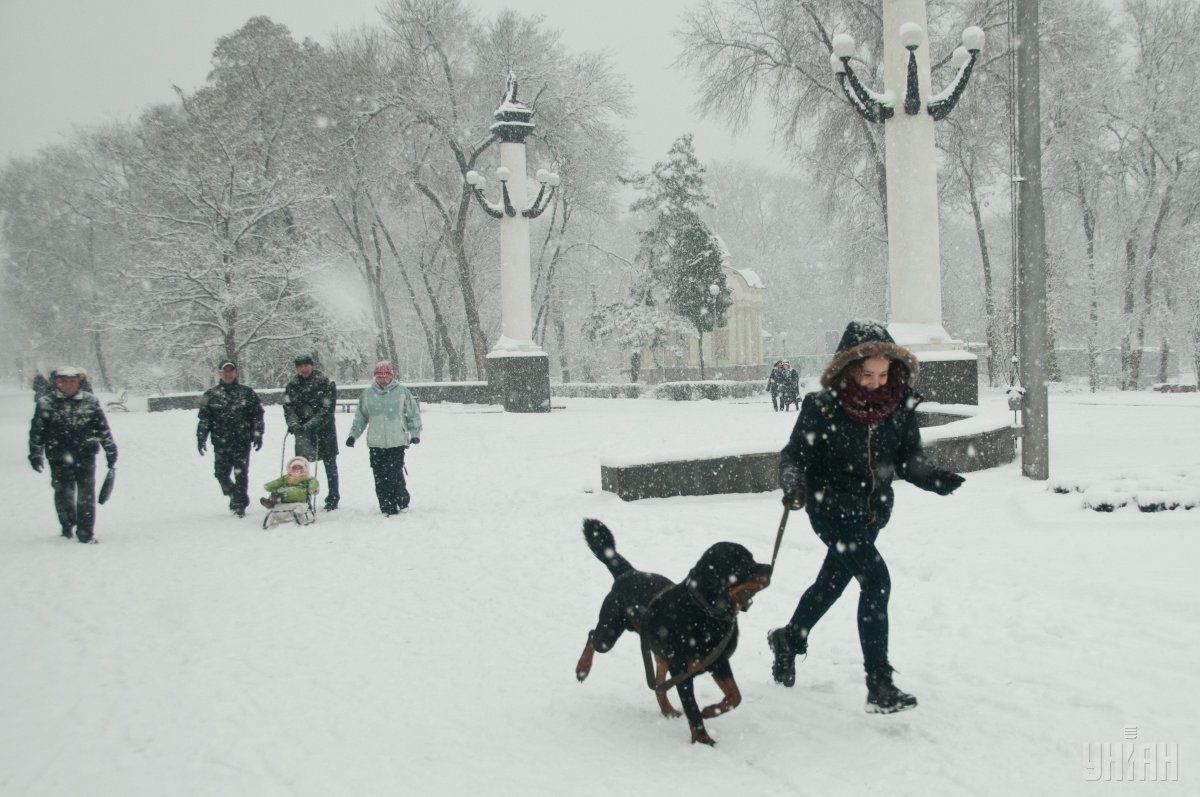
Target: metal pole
(1031,232)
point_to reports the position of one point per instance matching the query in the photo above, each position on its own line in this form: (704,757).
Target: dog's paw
(670,712)
(702,737)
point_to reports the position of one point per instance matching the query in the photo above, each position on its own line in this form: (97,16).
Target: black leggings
(852,554)
(388,466)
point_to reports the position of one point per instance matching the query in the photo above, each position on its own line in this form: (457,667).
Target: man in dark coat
(775,383)
(309,403)
(68,429)
(233,415)
(789,391)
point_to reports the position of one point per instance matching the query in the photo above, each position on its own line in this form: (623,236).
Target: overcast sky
(67,63)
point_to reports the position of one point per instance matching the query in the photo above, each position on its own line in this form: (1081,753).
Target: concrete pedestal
(949,377)
(522,381)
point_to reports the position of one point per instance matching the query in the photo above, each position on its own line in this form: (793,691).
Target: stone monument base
(521,380)
(948,377)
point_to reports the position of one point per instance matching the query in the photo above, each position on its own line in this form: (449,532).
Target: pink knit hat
(383,368)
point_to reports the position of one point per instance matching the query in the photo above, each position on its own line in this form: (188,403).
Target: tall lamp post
(914,258)
(1031,246)
(517,366)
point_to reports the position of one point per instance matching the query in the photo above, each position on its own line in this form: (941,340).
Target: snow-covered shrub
(712,390)
(596,390)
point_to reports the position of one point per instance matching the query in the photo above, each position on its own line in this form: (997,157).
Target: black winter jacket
(308,407)
(232,414)
(845,470)
(65,428)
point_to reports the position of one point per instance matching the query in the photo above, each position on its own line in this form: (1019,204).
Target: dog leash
(779,536)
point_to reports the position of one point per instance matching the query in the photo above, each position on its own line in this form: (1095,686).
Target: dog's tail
(604,546)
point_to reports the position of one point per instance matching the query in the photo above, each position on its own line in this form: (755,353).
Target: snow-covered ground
(193,653)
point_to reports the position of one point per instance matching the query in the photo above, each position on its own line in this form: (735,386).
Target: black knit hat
(863,340)
(304,359)
(227,364)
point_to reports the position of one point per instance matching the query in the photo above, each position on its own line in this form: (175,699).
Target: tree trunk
(1089,237)
(1196,353)
(1160,219)
(97,346)
(701,331)
(389,337)
(1129,367)
(370,274)
(994,339)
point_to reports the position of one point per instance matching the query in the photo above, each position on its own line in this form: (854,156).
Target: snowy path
(192,653)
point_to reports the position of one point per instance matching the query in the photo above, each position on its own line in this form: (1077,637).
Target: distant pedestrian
(393,419)
(41,386)
(68,429)
(309,403)
(850,441)
(232,415)
(789,392)
(775,383)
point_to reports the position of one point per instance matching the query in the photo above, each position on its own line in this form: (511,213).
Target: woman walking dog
(850,440)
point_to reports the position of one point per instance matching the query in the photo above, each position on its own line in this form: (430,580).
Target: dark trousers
(231,466)
(309,449)
(851,554)
(775,400)
(331,476)
(388,466)
(74,483)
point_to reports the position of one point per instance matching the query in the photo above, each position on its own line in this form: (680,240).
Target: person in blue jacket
(394,421)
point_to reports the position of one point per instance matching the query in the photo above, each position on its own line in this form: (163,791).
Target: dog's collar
(710,610)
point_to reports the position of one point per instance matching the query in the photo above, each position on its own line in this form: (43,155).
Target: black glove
(201,446)
(258,444)
(415,440)
(350,441)
(112,463)
(794,500)
(36,462)
(946,483)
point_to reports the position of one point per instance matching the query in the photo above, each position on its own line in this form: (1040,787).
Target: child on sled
(289,494)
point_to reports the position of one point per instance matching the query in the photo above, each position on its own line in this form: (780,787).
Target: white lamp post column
(914,258)
(516,299)
(517,366)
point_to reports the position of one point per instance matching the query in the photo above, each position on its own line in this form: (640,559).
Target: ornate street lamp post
(517,366)
(914,259)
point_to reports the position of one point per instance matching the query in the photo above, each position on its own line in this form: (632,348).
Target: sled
(301,514)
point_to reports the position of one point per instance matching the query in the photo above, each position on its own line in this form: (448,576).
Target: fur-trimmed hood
(863,340)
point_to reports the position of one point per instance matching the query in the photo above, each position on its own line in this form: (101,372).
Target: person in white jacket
(389,414)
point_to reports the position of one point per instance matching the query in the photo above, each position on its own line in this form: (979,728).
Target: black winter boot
(66,532)
(882,695)
(783,668)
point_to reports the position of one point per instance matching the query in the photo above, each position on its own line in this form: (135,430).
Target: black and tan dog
(689,628)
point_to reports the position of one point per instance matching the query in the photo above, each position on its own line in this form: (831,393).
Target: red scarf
(869,407)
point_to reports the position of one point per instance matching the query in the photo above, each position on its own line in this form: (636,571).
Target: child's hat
(294,460)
